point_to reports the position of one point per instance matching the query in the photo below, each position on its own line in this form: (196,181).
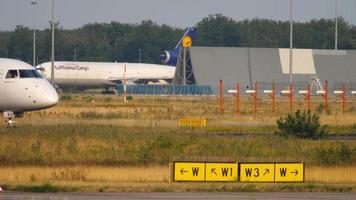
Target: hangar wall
(248,65)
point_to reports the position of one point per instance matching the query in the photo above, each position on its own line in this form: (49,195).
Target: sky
(177,13)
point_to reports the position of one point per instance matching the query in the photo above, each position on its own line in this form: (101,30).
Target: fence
(262,98)
(297,86)
(299,95)
(166,90)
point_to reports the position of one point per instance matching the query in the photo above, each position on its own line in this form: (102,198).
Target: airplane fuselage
(22,88)
(104,74)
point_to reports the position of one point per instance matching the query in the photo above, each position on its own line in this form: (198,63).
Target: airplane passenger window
(12,74)
(30,74)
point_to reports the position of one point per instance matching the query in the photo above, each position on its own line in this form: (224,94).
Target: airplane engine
(169,57)
(165,56)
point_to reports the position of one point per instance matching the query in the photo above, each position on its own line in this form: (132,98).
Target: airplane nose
(52,98)
(49,97)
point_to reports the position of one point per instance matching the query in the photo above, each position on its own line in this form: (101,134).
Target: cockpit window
(29,74)
(41,69)
(12,73)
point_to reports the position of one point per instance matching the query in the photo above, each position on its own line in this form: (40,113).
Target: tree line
(121,42)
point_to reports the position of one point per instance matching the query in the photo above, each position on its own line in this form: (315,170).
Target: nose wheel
(9,122)
(9,117)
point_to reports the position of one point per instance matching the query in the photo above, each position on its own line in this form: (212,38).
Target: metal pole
(184,65)
(291,97)
(140,55)
(291,45)
(52,54)
(336,24)
(326,96)
(255,99)
(125,85)
(75,54)
(221,95)
(308,97)
(238,99)
(343,98)
(34,3)
(273,97)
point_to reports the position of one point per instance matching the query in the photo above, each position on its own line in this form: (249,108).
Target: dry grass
(331,174)
(152,174)
(26,175)
(145,131)
(165,111)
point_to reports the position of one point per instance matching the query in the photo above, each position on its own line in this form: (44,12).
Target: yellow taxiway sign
(188,171)
(289,172)
(233,172)
(221,172)
(256,172)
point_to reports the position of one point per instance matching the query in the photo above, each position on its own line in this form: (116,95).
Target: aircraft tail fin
(192,32)
(171,57)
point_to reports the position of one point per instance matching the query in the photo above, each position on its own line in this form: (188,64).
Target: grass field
(111,145)
(156,179)
(146,174)
(165,111)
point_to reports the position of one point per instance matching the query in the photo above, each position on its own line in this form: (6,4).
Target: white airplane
(105,74)
(23,89)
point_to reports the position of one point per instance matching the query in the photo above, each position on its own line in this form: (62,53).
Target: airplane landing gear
(108,91)
(9,117)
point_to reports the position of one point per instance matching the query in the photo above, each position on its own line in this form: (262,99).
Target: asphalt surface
(177,196)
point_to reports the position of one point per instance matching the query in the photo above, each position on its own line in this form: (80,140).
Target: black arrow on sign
(182,171)
(295,172)
(213,171)
(266,172)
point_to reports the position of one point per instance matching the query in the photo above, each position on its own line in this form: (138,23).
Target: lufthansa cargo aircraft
(171,57)
(23,89)
(105,74)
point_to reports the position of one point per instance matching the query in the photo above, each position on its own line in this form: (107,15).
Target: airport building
(207,65)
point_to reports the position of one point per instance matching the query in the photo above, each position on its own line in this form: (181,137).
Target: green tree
(20,45)
(121,42)
(218,30)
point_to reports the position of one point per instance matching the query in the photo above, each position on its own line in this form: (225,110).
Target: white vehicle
(23,89)
(105,74)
